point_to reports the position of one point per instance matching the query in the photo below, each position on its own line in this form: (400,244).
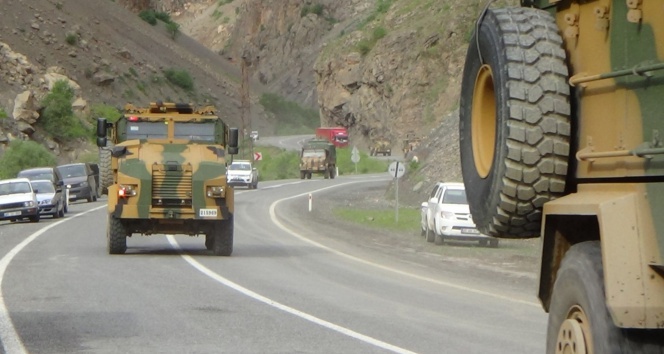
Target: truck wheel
(105,172)
(308,175)
(514,121)
(578,316)
(302,174)
(223,238)
(117,236)
(333,172)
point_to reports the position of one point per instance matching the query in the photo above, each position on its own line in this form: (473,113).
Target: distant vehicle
(381,146)
(242,173)
(18,200)
(318,156)
(50,203)
(336,135)
(81,180)
(254,135)
(49,173)
(446,216)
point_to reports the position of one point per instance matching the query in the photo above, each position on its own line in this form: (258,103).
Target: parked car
(49,173)
(242,173)
(50,203)
(18,200)
(254,135)
(446,216)
(81,180)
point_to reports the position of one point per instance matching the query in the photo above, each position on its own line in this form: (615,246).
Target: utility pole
(248,61)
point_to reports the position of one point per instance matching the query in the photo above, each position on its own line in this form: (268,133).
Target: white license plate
(469,231)
(13,213)
(207,212)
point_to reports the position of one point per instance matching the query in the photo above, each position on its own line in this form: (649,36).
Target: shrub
(111,113)
(24,154)
(148,16)
(57,117)
(163,16)
(378,33)
(180,78)
(71,39)
(312,9)
(173,29)
(3,114)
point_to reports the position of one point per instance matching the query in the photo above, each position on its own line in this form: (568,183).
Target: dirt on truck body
(560,117)
(165,173)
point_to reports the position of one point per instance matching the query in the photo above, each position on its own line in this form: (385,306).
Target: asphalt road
(290,286)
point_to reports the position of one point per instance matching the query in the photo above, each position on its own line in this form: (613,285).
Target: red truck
(336,135)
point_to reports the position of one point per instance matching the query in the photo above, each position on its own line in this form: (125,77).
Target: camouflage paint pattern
(615,50)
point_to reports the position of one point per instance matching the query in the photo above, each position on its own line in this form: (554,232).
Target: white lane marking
(273,216)
(10,339)
(343,330)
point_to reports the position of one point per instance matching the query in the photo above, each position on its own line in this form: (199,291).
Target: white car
(242,173)
(254,135)
(18,200)
(446,216)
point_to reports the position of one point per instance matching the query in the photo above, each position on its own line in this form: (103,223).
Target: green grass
(409,218)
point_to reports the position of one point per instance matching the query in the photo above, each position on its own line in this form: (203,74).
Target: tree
(24,154)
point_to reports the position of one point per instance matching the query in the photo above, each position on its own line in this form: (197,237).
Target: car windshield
(14,188)
(239,167)
(43,187)
(195,131)
(72,171)
(35,175)
(455,196)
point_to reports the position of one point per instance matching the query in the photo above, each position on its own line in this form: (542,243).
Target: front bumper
(19,213)
(77,193)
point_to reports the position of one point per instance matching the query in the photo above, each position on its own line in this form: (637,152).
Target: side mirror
(424,205)
(233,135)
(101,132)
(433,200)
(35,191)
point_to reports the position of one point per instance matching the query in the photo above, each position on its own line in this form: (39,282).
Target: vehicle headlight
(83,184)
(215,191)
(29,203)
(127,190)
(45,201)
(447,215)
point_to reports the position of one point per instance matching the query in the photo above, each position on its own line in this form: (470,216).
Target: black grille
(171,188)
(12,206)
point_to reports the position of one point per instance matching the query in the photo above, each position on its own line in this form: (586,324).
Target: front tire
(116,236)
(223,238)
(514,121)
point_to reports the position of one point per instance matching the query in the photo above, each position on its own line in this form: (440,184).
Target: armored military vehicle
(381,146)
(318,156)
(167,164)
(560,112)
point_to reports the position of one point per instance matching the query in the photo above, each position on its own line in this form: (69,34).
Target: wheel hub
(483,121)
(573,333)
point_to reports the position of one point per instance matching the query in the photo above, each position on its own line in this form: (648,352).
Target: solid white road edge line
(10,339)
(273,216)
(345,331)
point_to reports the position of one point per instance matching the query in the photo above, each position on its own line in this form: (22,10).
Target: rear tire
(116,235)
(514,121)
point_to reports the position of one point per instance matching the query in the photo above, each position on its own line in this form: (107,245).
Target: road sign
(258,156)
(355,158)
(396,169)
(355,151)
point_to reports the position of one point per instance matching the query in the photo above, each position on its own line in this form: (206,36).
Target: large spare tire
(105,171)
(514,120)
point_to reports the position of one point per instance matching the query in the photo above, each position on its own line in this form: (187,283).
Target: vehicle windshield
(14,188)
(240,167)
(313,153)
(43,187)
(455,196)
(35,175)
(159,130)
(72,171)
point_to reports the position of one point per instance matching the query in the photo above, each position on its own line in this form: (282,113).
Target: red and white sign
(258,156)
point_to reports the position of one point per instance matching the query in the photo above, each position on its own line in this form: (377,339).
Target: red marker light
(133,119)
(121,192)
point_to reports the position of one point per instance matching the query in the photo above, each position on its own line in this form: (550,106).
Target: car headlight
(83,184)
(45,201)
(215,191)
(29,203)
(447,215)
(127,190)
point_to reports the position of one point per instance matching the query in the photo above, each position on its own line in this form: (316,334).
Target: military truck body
(560,118)
(318,156)
(168,171)
(381,146)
